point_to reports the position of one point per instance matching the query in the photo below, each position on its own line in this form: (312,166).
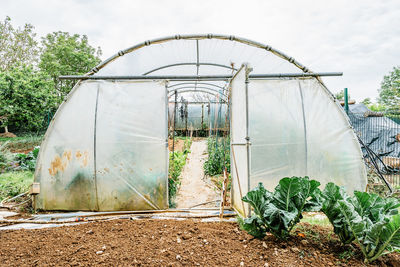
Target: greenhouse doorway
(198,127)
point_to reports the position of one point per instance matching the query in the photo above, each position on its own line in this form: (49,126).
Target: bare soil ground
(178,146)
(174,243)
(9,134)
(194,189)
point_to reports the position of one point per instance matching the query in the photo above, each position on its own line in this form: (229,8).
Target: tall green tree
(26,95)
(65,54)
(340,95)
(389,93)
(17,45)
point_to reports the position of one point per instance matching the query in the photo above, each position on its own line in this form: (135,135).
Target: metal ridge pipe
(200,77)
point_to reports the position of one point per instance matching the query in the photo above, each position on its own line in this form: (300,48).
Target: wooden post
(223,193)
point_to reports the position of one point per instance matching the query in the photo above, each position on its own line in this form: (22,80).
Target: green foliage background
(389,94)
(29,89)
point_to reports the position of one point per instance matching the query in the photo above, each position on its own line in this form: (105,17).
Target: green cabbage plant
(329,199)
(371,221)
(280,211)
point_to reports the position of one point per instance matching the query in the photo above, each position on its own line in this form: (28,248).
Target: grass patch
(14,183)
(316,220)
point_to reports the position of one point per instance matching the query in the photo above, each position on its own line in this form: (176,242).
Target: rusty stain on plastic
(60,163)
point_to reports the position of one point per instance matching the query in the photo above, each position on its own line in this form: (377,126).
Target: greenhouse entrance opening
(107,147)
(198,127)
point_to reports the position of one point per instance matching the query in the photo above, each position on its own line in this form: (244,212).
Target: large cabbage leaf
(329,199)
(373,222)
(281,210)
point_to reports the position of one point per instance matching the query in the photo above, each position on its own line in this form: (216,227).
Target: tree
(367,101)
(17,46)
(26,95)
(65,54)
(340,95)
(389,93)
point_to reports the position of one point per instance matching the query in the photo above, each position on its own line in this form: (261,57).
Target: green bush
(26,95)
(218,156)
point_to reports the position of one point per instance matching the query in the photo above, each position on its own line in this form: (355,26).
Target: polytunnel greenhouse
(106,147)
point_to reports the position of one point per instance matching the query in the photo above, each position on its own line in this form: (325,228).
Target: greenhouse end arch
(106,147)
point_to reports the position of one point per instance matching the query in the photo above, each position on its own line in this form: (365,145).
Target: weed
(346,255)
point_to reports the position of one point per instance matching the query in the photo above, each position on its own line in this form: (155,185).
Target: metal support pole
(173,127)
(247,71)
(346,101)
(198,77)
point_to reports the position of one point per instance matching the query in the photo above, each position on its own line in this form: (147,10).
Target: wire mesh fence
(379,135)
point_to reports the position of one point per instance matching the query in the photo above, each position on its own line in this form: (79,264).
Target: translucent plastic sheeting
(131,148)
(297,129)
(106,149)
(223,52)
(239,151)
(65,167)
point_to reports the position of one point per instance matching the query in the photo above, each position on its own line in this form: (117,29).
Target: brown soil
(24,151)
(179,144)
(173,243)
(9,134)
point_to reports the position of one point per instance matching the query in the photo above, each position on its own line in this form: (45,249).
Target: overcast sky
(360,38)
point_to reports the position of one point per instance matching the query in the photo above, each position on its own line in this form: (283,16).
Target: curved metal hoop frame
(189,90)
(200,37)
(189,64)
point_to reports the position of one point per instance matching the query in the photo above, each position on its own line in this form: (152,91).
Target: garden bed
(176,243)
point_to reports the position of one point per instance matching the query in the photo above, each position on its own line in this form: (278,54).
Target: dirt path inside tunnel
(195,188)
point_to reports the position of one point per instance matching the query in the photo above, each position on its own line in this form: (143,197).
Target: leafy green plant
(28,161)
(374,223)
(186,145)
(371,221)
(176,163)
(329,199)
(280,211)
(218,156)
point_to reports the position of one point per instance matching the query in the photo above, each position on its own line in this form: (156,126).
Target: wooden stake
(223,194)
